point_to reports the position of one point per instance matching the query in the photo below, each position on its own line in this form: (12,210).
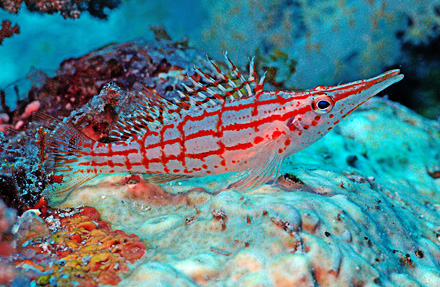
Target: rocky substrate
(358,208)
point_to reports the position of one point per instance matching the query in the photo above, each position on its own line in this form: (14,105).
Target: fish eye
(322,104)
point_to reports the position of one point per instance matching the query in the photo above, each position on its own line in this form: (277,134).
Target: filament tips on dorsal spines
(218,86)
(251,69)
(188,89)
(234,70)
(204,76)
(196,83)
(181,95)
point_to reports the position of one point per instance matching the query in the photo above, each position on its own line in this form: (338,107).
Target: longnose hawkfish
(222,123)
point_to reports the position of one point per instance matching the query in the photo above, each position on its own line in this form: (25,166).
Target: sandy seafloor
(367,214)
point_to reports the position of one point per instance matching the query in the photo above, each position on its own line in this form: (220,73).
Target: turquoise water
(321,42)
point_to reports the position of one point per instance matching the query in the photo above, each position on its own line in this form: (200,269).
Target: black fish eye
(323,105)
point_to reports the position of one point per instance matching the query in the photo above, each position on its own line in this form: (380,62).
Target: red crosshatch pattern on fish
(221,123)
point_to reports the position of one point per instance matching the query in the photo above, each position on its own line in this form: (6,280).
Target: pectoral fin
(267,166)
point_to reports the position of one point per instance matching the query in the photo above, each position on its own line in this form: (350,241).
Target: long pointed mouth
(366,89)
(381,82)
(387,79)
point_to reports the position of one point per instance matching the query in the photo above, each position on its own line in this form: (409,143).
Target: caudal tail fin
(69,158)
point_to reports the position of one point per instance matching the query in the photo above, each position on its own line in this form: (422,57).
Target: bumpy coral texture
(78,249)
(356,208)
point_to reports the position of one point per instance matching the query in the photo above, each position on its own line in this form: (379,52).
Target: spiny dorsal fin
(205,90)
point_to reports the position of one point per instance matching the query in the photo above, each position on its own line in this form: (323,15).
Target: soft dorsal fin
(205,90)
(151,111)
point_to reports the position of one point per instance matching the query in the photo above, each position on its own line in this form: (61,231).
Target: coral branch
(7,30)
(67,8)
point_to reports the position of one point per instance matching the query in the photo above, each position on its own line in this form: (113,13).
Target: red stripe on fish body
(218,139)
(216,128)
(231,136)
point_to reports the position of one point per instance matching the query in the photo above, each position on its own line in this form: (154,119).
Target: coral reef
(72,247)
(7,30)
(67,8)
(81,93)
(360,207)
(357,208)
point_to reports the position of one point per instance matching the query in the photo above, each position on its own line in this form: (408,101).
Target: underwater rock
(30,226)
(7,273)
(97,87)
(7,218)
(369,222)
(94,88)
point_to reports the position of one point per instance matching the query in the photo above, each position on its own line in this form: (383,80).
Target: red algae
(81,250)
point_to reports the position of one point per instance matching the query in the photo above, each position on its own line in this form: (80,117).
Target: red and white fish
(222,124)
